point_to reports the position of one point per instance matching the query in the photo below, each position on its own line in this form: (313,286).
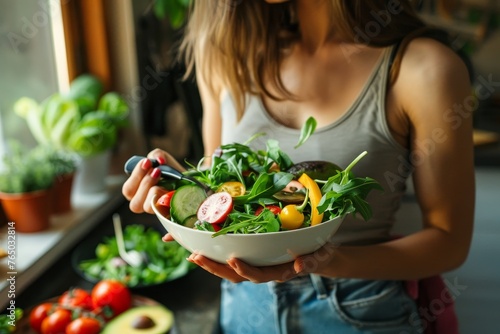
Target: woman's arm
(434,91)
(140,188)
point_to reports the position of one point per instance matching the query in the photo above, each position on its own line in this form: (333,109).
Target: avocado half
(155,319)
(316,170)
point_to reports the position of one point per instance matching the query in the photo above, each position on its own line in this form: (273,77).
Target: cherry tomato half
(113,294)
(56,322)
(234,188)
(76,298)
(215,208)
(166,198)
(39,313)
(84,325)
(273,208)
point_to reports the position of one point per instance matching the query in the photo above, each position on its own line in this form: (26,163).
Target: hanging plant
(174,10)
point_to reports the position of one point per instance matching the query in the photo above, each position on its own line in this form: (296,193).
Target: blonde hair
(242,42)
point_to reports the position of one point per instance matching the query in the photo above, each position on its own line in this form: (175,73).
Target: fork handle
(166,171)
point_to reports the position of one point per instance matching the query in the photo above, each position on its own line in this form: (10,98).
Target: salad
(259,191)
(164,260)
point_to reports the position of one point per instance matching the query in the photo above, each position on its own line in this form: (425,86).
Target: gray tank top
(363,127)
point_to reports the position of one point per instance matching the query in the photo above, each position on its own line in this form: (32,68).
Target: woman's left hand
(237,271)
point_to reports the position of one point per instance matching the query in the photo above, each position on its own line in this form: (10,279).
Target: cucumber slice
(190,221)
(185,202)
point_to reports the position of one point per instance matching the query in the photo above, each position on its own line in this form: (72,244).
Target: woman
(367,74)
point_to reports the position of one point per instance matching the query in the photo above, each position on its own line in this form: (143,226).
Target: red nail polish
(155,173)
(146,164)
(160,160)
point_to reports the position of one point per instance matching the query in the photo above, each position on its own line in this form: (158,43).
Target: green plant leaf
(344,194)
(174,10)
(87,86)
(95,133)
(307,130)
(25,170)
(115,106)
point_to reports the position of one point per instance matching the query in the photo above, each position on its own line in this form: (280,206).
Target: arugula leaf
(277,155)
(344,194)
(307,130)
(265,187)
(245,223)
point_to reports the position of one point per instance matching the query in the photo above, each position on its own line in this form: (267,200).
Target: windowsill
(35,252)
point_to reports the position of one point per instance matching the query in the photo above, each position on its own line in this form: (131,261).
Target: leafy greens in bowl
(262,208)
(258,249)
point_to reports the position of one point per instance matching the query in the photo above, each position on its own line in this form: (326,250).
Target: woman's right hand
(141,186)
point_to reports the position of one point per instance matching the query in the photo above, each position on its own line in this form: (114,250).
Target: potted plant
(64,165)
(83,121)
(26,188)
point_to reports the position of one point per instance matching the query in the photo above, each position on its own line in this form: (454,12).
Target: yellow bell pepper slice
(314,197)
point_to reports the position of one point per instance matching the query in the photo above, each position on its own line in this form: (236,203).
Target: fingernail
(160,160)
(155,173)
(146,164)
(298,268)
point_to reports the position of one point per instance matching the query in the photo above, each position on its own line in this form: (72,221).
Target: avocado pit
(142,322)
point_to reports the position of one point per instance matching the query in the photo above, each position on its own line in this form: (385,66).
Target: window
(29,59)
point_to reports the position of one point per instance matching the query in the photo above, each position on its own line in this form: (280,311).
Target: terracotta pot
(29,211)
(61,199)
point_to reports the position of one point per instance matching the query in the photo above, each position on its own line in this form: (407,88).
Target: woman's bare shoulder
(430,69)
(430,59)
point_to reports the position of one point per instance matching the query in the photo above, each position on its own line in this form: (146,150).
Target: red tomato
(113,294)
(56,322)
(215,208)
(76,298)
(165,199)
(39,313)
(273,208)
(84,325)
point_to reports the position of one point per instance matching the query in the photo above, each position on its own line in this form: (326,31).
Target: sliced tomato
(273,208)
(166,198)
(234,188)
(215,208)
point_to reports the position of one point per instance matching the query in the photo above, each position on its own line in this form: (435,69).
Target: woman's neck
(314,22)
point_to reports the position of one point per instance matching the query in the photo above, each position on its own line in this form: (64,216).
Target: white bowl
(263,249)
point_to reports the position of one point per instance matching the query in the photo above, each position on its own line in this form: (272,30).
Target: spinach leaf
(307,130)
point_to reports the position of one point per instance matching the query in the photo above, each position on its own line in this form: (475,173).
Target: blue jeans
(314,304)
